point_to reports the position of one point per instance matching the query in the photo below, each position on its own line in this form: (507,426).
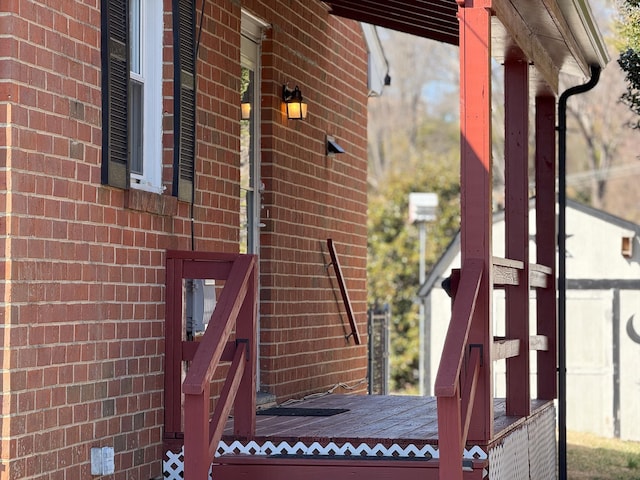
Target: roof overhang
(557,36)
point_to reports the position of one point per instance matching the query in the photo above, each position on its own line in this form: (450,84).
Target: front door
(250,183)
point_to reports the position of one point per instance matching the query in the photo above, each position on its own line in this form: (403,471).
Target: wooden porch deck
(372,419)
(377,438)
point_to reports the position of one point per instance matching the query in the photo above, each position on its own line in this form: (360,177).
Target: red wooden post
(546,307)
(450,445)
(476,186)
(196,444)
(516,83)
(245,403)
(173,354)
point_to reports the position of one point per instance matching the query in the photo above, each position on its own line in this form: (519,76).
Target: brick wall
(83,292)
(310,197)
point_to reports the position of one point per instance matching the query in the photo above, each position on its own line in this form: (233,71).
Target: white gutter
(580,19)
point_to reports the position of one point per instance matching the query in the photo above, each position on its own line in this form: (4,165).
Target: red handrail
(343,291)
(235,308)
(220,326)
(458,332)
(455,404)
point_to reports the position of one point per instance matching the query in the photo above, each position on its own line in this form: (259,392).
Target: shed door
(590,361)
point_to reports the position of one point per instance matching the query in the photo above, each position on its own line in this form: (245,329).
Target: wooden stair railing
(343,291)
(236,308)
(454,400)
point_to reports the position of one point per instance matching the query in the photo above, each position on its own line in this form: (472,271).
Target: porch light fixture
(332,146)
(296,107)
(245,108)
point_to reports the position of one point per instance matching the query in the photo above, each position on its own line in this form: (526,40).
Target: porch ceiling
(555,35)
(435,19)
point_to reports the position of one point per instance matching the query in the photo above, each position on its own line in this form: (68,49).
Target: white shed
(603,319)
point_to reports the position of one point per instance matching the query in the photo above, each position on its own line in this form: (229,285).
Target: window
(145,94)
(132,39)
(250,182)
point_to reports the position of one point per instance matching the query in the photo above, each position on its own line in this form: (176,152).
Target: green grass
(594,458)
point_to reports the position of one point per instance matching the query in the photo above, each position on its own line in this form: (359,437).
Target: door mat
(301,412)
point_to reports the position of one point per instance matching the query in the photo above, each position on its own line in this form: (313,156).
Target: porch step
(245,467)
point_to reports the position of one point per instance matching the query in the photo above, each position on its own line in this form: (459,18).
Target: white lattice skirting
(174,463)
(529,453)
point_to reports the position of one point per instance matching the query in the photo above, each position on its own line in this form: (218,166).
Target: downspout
(562,274)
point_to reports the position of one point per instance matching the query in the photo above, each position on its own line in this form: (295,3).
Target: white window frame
(252,32)
(150,77)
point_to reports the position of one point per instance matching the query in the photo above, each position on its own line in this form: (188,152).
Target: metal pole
(562,274)
(422,228)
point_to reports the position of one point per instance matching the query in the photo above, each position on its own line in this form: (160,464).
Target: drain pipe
(562,273)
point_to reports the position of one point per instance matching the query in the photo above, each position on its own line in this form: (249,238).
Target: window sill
(143,201)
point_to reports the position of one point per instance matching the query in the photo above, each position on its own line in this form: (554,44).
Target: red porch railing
(236,309)
(454,403)
(457,380)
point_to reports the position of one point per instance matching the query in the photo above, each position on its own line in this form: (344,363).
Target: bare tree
(601,121)
(423,86)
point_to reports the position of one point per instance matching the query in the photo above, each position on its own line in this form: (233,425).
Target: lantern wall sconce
(245,108)
(245,105)
(295,105)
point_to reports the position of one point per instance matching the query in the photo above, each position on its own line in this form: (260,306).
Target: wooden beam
(174,332)
(244,407)
(450,438)
(539,343)
(516,125)
(546,236)
(505,348)
(189,349)
(476,188)
(538,275)
(506,271)
(235,467)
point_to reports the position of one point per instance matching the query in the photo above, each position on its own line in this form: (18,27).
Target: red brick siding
(310,197)
(83,296)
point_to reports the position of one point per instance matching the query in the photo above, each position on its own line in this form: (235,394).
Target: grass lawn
(594,458)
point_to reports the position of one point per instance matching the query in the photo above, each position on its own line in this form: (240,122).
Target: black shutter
(184,98)
(115,86)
